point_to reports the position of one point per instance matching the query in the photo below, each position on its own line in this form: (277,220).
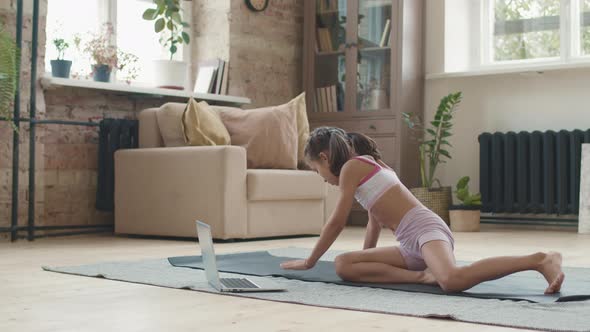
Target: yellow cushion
(298,105)
(202,125)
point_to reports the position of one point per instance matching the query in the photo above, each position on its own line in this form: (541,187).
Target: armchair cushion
(170,123)
(298,107)
(276,185)
(269,135)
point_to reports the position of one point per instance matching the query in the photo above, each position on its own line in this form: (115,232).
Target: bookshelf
(362,68)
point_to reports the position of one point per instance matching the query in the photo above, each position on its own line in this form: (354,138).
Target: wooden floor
(34,300)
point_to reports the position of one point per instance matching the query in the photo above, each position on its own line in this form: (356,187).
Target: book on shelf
(328,93)
(318,101)
(324,39)
(225,77)
(385,35)
(326,99)
(211,88)
(321,100)
(212,77)
(219,77)
(334,98)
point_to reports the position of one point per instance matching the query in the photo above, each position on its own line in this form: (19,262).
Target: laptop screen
(206,243)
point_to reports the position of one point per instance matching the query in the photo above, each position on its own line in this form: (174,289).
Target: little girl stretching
(425,255)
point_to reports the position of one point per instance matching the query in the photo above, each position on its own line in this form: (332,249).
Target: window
(583,35)
(61,24)
(133,34)
(529,31)
(525,29)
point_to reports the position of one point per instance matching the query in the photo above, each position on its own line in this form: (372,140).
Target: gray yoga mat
(521,286)
(554,316)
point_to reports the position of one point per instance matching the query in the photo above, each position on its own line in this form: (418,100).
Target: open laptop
(235,285)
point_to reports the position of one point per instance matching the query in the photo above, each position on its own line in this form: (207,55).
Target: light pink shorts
(417,227)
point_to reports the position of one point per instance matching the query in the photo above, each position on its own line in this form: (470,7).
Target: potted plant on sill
(167,17)
(59,66)
(433,144)
(465,217)
(9,58)
(107,57)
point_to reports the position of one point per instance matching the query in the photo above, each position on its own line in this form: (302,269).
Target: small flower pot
(465,218)
(101,73)
(61,68)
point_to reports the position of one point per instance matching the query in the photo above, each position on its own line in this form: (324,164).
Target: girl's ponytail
(364,145)
(340,151)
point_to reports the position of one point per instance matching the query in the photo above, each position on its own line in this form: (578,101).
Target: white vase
(377,99)
(170,74)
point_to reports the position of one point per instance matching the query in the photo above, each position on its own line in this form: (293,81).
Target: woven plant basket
(436,199)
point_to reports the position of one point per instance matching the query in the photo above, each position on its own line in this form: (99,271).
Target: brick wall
(71,152)
(264,50)
(8,18)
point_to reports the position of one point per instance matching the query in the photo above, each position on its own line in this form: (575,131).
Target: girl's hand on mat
(300,264)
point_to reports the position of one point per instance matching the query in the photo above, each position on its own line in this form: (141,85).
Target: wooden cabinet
(363,67)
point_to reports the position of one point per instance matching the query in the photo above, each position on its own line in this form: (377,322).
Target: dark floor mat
(527,286)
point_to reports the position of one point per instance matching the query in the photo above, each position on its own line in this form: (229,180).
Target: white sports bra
(375,184)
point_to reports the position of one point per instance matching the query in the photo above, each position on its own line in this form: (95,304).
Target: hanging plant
(9,58)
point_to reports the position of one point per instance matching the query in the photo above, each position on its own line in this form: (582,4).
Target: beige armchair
(162,191)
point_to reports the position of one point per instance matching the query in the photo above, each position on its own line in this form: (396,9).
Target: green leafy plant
(433,139)
(103,52)
(463,194)
(61,45)
(168,23)
(9,58)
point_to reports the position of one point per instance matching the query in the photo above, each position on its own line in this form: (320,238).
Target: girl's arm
(349,179)
(334,226)
(372,234)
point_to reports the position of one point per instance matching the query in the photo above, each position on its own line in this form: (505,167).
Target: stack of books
(324,40)
(326,99)
(212,77)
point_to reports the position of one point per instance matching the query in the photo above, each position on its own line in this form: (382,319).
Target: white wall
(508,102)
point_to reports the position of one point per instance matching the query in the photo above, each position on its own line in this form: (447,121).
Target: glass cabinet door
(373,77)
(330,56)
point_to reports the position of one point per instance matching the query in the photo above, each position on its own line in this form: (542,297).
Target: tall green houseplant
(433,143)
(9,56)
(168,23)
(167,17)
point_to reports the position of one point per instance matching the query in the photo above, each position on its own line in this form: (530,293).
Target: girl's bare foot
(550,267)
(428,278)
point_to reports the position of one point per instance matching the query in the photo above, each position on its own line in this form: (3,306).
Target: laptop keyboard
(237,283)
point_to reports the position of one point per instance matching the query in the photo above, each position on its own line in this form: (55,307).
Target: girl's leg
(441,263)
(379,265)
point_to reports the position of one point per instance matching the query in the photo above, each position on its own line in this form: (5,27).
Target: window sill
(49,82)
(513,69)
